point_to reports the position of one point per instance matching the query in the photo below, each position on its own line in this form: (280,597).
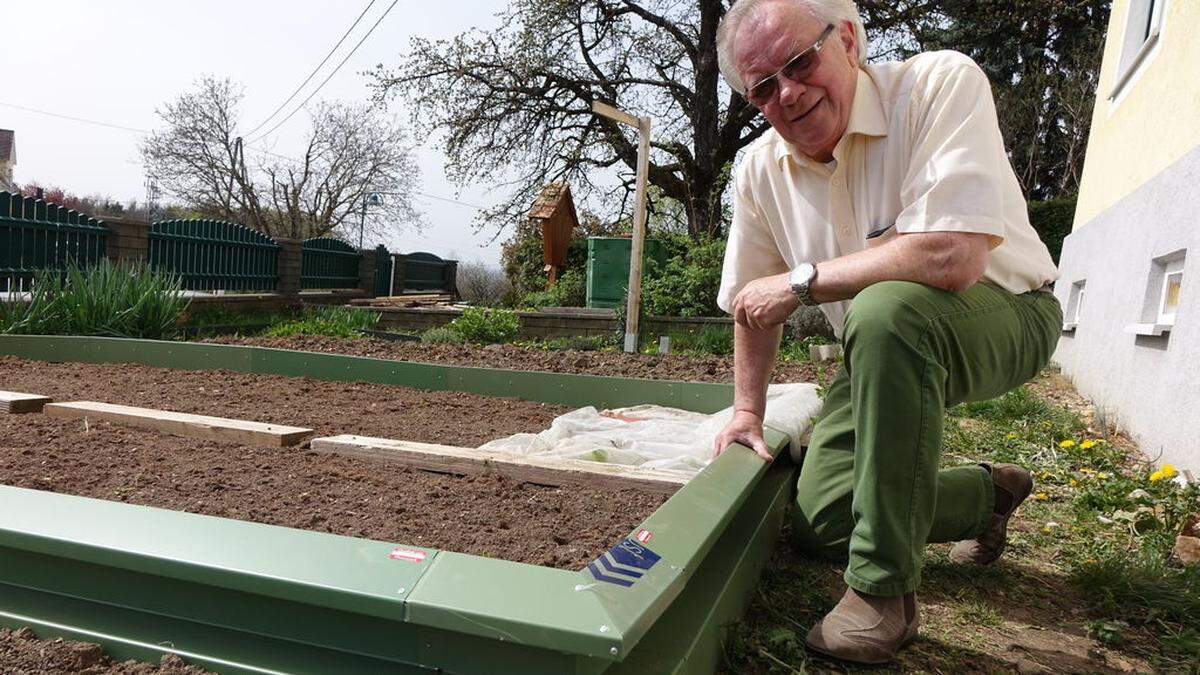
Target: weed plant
(329,321)
(440,335)
(486,325)
(128,300)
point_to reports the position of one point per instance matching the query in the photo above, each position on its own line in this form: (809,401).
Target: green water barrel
(608,268)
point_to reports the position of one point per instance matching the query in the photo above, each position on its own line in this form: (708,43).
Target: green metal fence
(215,255)
(383,271)
(35,235)
(326,262)
(425,273)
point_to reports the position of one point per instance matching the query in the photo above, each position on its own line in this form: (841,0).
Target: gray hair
(829,11)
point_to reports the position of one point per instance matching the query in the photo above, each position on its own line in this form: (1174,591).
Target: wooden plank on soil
(14,402)
(467,461)
(182,424)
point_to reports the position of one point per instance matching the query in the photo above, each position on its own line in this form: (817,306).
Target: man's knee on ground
(817,535)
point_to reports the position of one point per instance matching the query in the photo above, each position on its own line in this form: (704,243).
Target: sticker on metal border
(409,554)
(613,566)
(644,536)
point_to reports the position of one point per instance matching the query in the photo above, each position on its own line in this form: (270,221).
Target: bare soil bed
(613,364)
(295,487)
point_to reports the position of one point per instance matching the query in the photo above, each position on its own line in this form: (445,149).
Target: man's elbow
(960,262)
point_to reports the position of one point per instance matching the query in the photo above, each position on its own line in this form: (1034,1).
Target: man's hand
(765,303)
(745,428)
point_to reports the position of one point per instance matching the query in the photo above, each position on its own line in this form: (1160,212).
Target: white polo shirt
(922,152)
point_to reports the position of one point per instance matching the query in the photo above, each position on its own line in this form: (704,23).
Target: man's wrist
(738,411)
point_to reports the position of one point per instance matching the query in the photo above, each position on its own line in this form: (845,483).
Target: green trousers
(870,488)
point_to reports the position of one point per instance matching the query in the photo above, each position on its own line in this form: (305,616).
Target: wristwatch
(801,280)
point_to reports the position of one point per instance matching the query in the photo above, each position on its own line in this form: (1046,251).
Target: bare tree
(514,104)
(350,151)
(482,284)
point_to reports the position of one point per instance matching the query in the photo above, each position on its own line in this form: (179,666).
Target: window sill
(1154,329)
(1134,64)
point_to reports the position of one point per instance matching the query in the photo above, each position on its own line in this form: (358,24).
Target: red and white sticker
(409,554)
(644,536)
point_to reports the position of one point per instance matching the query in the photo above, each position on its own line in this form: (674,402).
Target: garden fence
(326,262)
(215,255)
(35,235)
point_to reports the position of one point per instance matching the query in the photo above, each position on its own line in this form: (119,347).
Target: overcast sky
(116,61)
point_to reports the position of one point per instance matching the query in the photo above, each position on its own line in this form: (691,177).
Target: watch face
(802,274)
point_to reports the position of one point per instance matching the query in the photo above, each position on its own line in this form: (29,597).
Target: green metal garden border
(243,597)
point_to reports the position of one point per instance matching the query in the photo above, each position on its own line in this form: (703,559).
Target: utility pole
(633,306)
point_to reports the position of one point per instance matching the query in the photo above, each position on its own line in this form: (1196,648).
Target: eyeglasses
(798,69)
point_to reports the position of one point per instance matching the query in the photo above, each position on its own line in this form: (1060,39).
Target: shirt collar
(867,118)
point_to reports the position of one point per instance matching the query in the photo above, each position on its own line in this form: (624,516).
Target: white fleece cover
(658,437)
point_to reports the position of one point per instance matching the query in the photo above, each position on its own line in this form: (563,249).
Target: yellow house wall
(1156,118)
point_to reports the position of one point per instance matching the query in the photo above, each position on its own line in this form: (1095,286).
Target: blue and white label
(614,565)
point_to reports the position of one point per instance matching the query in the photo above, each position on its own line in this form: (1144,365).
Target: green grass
(329,321)
(1092,557)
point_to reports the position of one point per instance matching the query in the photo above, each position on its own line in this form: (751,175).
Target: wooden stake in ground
(633,305)
(552,471)
(182,424)
(14,402)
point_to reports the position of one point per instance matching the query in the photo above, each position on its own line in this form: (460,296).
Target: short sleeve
(751,251)
(955,177)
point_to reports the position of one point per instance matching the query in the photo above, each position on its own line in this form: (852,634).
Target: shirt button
(837,181)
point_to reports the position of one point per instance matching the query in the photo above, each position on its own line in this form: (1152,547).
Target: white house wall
(1149,385)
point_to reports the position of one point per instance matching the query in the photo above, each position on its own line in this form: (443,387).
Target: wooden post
(633,304)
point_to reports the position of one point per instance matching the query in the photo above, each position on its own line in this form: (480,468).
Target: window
(1074,303)
(1172,283)
(1161,301)
(1143,25)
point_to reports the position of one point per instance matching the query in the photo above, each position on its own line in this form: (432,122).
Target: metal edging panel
(602,615)
(337,572)
(681,533)
(341,368)
(687,638)
(514,602)
(561,388)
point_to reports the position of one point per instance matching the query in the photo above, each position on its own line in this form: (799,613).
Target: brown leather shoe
(866,628)
(1012,484)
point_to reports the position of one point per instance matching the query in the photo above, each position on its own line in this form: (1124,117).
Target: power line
(330,76)
(73,118)
(85,120)
(314,71)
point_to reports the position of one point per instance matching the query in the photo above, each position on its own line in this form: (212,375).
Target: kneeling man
(883,194)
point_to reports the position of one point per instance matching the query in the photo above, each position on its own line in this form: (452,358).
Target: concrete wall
(1154,118)
(1149,385)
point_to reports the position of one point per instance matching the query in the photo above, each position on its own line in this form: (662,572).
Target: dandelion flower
(1067,444)
(1168,471)
(1088,444)
(1010,436)
(1156,476)
(1041,496)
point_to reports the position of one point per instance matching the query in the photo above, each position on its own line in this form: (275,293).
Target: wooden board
(402,299)
(467,461)
(14,402)
(182,424)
